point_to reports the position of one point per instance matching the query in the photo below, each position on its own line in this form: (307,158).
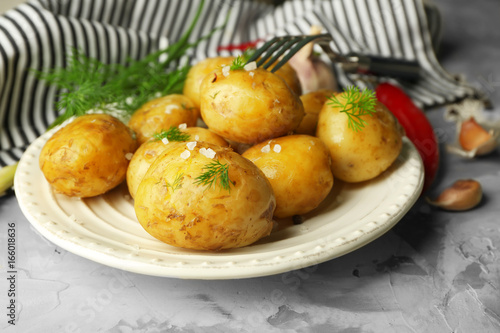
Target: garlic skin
(464,194)
(476,133)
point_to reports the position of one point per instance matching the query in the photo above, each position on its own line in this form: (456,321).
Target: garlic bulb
(476,134)
(314,74)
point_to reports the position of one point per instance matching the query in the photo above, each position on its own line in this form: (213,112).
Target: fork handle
(381,66)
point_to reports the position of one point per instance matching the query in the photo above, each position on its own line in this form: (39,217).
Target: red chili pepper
(238,47)
(418,128)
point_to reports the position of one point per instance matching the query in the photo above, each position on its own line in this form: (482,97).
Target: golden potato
(144,156)
(89,156)
(150,150)
(205,135)
(162,113)
(313,103)
(298,168)
(249,106)
(175,208)
(287,73)
(360,155)
(197,73)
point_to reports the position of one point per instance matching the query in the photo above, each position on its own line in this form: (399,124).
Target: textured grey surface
(436,271)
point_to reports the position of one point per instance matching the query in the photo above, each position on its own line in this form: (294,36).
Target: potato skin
(363,155)
(197,73)
(299,187)
(249,106)
(144,156)
(89,156)
(205,135)
(188,215)
(162,113)
(287,73)
(313,103)
(150,150)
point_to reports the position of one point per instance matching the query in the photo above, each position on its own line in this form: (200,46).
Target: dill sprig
(86,83)
(240,61)
(356,103)
(216,173)
(82,85)
(177,184)
(172,134)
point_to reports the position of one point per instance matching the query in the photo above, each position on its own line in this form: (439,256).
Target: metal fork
(284,47)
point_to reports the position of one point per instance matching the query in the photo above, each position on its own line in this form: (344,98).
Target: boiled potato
(287,73)
(249,106)
(198,71)
(313,103)
(298,168)
(89,156)
(205,135)
(162,113)
(150,150)
(360,155)
(177,210)
(144,156)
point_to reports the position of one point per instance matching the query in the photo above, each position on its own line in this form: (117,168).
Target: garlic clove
(474,138)
(463,195)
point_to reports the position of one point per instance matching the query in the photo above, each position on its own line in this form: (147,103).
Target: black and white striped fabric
(40,33)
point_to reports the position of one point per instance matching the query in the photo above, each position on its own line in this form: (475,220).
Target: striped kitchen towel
(40,34)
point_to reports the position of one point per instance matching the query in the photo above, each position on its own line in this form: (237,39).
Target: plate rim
(206,270)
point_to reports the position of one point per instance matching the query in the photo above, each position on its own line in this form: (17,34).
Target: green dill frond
(248,53)
(177,184)
(172,134)
(189,108)
(357,103)
(216,173)
(238,63)
(82,85)
(214,95)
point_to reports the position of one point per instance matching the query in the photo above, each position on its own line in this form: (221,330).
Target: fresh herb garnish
(240,61)
(86,83)
(188,108)
(214,95)
(177,184)
(215,173)
(355,103)
(172,134)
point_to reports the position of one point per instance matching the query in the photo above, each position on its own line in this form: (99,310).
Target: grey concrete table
(436,271)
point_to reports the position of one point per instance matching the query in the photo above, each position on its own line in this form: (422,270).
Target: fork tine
(278,51)
(275,48)
(263,48)
(303,41)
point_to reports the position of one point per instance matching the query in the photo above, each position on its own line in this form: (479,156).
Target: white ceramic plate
(105,229)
